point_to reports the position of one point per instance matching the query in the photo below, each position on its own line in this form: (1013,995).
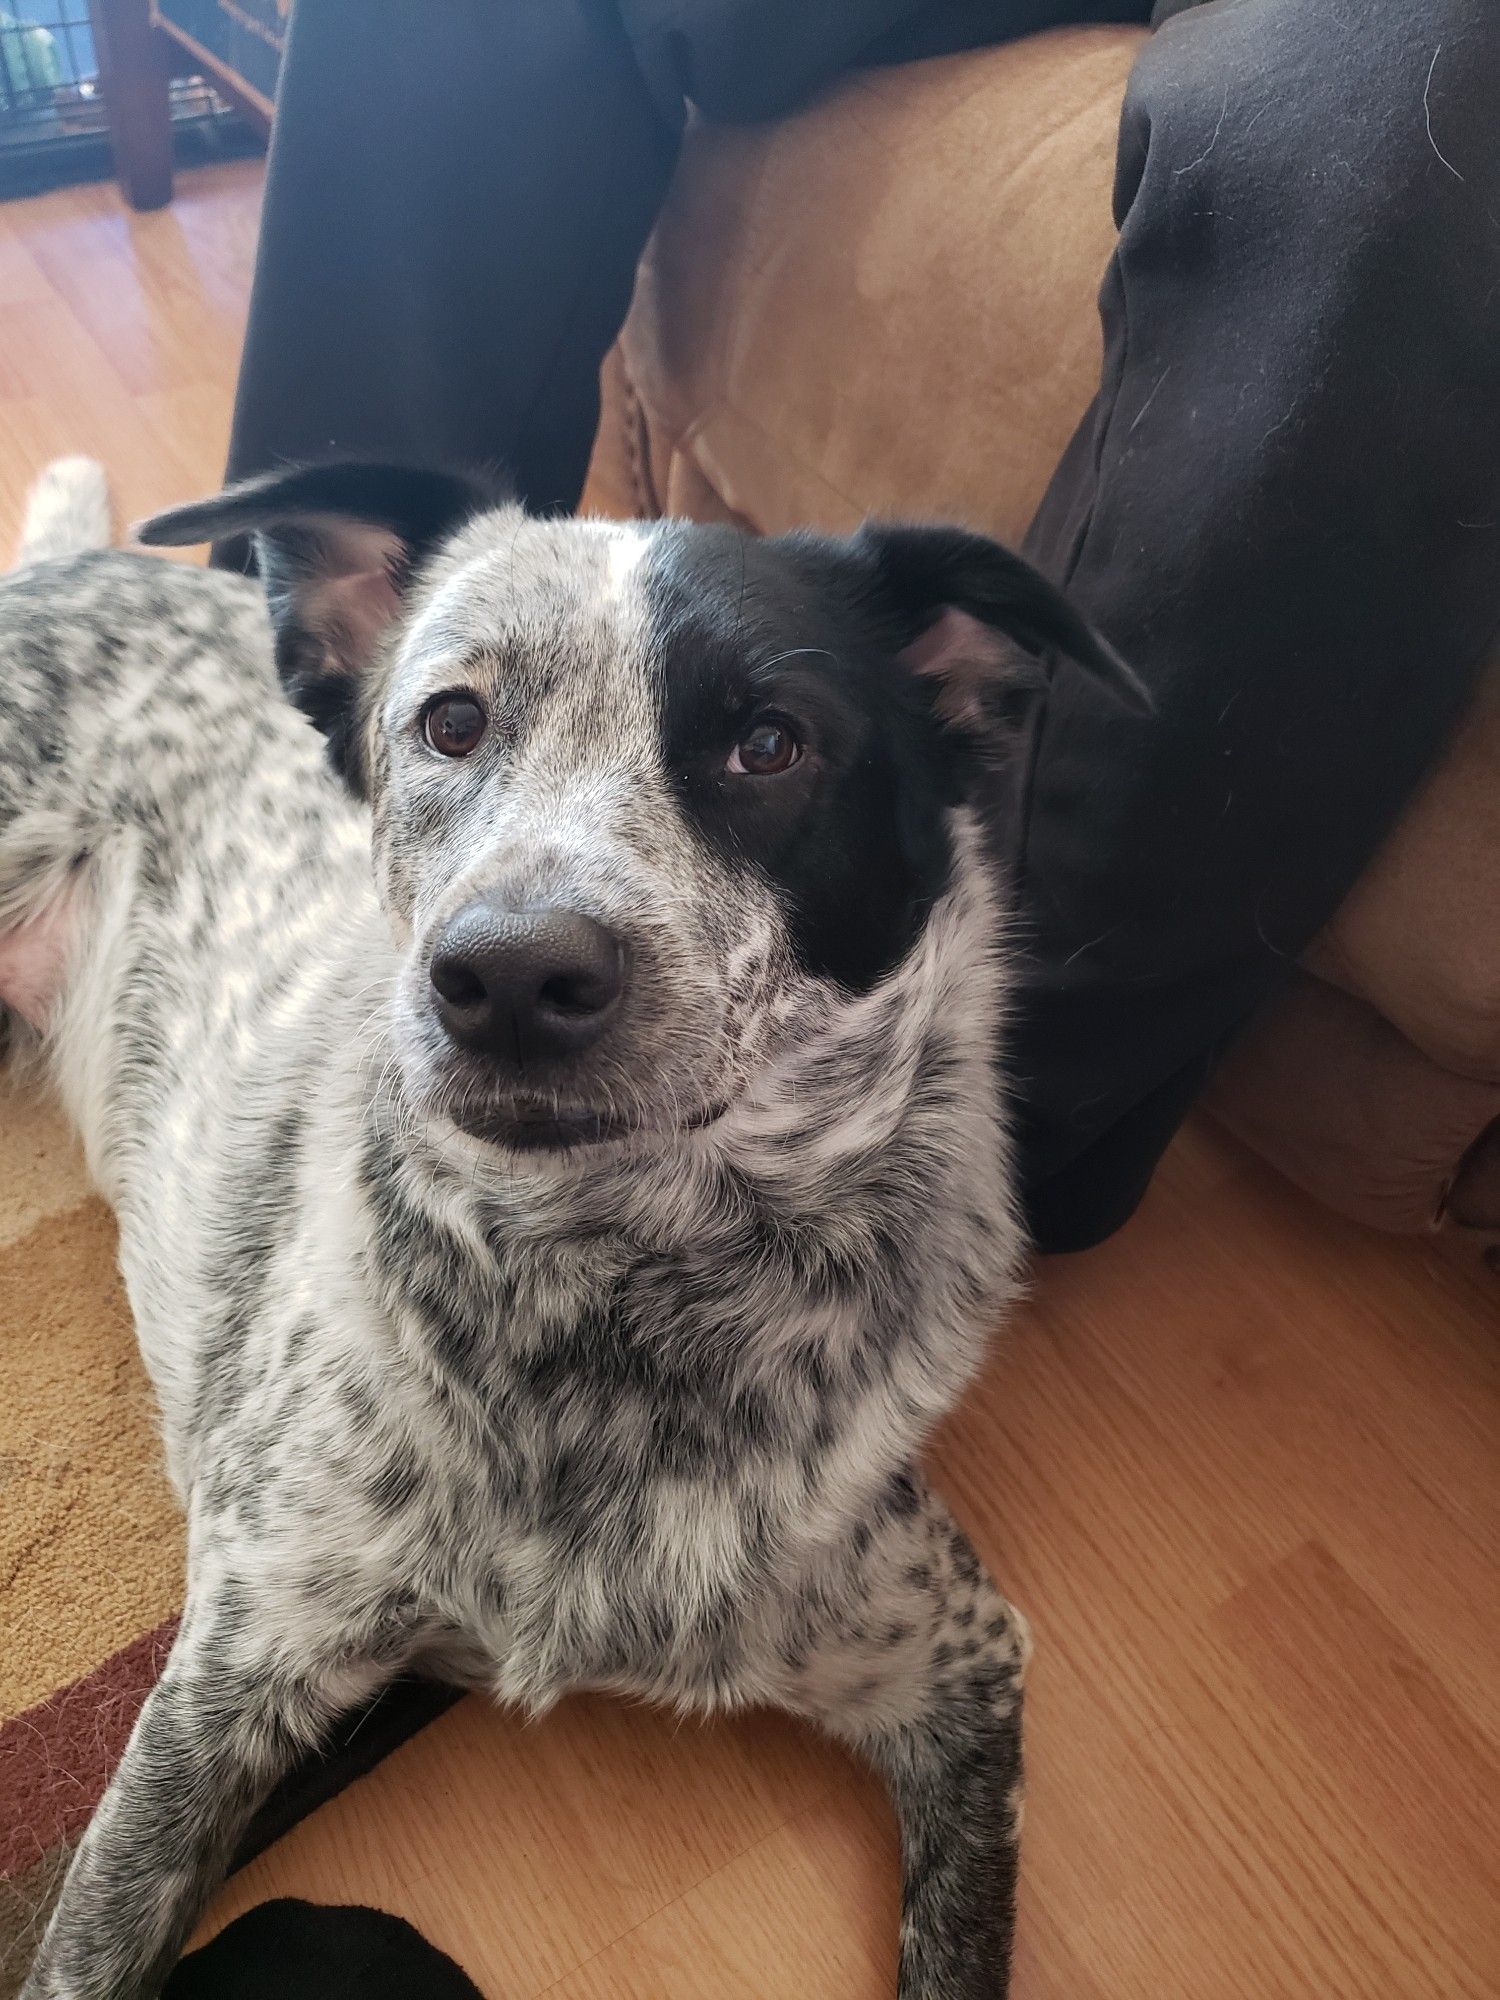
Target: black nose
(526,986)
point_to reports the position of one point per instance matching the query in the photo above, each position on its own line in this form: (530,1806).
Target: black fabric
(290,1950)
(455,201)
(741,60)
(1283,508)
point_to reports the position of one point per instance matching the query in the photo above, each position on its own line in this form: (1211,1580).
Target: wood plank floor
(1241,1467)
(119,335)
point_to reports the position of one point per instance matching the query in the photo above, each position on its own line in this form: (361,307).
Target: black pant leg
(455,203)
(1285,510)
(291,1950)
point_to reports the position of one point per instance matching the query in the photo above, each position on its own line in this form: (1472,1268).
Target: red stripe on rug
(56,1758)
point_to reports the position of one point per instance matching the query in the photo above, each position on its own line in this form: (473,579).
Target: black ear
(958,597)
(336,545)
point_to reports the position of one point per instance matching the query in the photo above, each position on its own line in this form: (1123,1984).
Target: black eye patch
(852,835)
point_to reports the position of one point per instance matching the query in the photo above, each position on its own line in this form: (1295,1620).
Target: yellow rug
(90,1536)
(91,1545)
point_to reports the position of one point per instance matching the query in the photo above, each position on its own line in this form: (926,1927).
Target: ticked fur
(643,1417)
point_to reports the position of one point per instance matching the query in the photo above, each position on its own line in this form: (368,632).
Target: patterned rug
(90,1536)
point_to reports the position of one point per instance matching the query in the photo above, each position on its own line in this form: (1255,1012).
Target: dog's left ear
(964,603)
(337,545)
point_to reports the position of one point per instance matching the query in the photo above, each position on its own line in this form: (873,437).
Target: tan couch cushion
(1474,1202)
(1419,937)
(1347,1108)
(885,304)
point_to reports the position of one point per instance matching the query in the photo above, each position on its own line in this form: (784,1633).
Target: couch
(886,305)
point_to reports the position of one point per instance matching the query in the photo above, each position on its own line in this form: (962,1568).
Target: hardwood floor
(1239,1466)
(120,334)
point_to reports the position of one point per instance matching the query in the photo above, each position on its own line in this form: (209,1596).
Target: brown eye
(765,750)
(453,724)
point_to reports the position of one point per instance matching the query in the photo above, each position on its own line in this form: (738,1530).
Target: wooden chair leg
(133,75)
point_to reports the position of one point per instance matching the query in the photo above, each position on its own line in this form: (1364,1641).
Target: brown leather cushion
(1419,937)
(1340,1101)
(1475,1200)
(885,304)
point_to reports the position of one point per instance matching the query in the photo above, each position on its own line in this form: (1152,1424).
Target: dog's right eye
(453,724)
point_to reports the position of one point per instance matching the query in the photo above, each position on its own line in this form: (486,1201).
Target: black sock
(289,1950)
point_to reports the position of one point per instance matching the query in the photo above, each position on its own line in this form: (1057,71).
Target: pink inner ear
(33,959)
(964,655)
(353,611)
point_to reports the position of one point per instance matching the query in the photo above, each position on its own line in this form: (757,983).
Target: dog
(545,1071)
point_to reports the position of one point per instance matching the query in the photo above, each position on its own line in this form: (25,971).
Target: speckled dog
(551,1245)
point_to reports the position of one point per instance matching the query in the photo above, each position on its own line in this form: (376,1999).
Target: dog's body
(629,1400)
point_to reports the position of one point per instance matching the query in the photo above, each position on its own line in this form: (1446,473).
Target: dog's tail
(67,512)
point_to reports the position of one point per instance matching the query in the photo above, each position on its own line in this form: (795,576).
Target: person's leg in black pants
(455,202)
(1284,509)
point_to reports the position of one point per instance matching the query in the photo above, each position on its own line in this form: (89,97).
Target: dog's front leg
(227,1720)
(921,1672)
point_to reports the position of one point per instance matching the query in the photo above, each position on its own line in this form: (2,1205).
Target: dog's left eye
(765,750)
(453,724)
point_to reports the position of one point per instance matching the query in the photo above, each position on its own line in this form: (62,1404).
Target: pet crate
(82,78)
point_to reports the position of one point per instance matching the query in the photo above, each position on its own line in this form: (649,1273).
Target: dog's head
(645,796)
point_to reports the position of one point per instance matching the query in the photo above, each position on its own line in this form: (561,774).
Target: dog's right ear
(337,545)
